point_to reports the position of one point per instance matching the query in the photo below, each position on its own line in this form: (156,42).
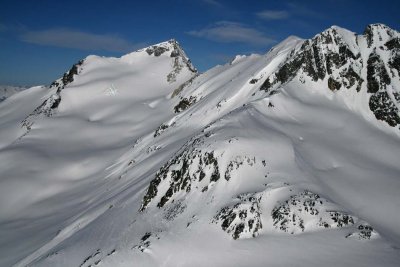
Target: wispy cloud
(213,3)
(69,38)
(295,13)
(273,14)
(304,11)
(233,32)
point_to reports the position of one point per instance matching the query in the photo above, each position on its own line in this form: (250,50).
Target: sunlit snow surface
(72,187)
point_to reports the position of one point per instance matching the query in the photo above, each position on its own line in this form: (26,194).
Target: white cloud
(79,40)
(273,14)
(232,32)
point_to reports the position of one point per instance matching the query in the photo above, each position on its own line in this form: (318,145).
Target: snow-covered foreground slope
(285,159)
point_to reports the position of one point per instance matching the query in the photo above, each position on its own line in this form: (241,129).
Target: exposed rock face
(176,52)
(291,215)
(190,166)
(48,107)
(195,168)
(383,73)
(242,219)
(319,58)
(384,108)
(68,77)
(184,104)
(365,231)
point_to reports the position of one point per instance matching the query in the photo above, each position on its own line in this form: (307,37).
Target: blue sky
(40,40)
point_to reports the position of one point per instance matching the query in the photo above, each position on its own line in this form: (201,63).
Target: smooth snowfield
(72,188)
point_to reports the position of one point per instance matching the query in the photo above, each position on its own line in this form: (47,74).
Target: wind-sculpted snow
(141,160)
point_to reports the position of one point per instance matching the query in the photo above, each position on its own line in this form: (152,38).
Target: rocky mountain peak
(379,34)
(173,49)
(339,58)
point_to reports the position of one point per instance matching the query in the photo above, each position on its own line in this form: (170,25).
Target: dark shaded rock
(320,66)
(380,103)
(181,179)
(241,218)
(292,215)
(174,210)
(184,104)
(146,236)
(341,219)
(175,53)
(156,50)
(69,76)
(233,165)
(266,86)
(144,242)
(333,85)
(238,230)
(151,192)
(393,44)
(289,70)
(253,81)
(56,103)
(353,78)
(369,34)
(384,109)
(365,231)
(395,63)
(316,58)
(377,76)
(160,130)
(227,219)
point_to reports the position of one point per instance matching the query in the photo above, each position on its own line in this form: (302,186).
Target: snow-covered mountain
(285,159)
(7,90)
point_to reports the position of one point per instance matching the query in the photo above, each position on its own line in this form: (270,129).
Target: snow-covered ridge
(142,160)
(7,90)
(175,66)
(170,48)
(341,59)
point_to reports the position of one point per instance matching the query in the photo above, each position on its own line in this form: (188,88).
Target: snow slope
(283,159)
(7,90)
